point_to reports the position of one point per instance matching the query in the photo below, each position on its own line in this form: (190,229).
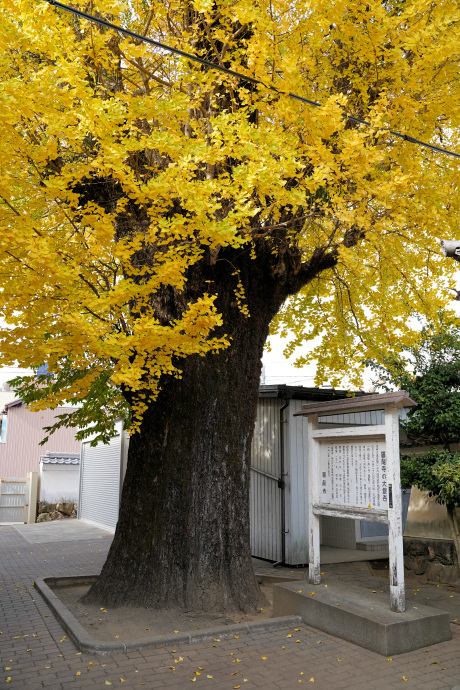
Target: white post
(395,537)
(31,497)
(314,568)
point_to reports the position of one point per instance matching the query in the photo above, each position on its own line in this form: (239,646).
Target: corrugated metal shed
(279,487)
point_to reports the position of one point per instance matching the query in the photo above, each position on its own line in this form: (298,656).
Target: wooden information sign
(353,472)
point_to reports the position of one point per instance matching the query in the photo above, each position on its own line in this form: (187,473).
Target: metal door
(100,483)
(12,499)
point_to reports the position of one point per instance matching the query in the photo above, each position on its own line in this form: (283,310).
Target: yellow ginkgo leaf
(62,639)
(312,680)
(209,676)
(8,680)
(78,673)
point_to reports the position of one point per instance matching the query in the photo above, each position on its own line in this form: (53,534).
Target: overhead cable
(238,75)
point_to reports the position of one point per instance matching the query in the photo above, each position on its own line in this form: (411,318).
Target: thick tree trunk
(182,538)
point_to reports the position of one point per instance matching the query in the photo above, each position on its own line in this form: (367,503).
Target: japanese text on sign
(354,474)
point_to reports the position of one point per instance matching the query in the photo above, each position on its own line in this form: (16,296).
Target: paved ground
(60,530)
(34,652)
(70,530)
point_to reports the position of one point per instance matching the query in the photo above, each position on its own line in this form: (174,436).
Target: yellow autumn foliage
(190,160)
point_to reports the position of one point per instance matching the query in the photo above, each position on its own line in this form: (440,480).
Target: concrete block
(360,616)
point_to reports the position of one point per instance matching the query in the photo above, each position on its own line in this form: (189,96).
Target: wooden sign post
(353,472)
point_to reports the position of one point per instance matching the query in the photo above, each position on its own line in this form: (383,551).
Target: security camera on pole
(451,249)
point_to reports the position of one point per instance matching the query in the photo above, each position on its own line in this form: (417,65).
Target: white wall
(59,482)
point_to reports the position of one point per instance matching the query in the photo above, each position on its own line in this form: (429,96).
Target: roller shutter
(100,483)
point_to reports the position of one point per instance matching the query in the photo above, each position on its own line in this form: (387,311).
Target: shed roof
(306,393)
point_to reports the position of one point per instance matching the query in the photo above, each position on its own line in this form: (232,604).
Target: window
(3,418)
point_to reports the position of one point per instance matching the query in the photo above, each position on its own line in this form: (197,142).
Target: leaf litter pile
(130,623)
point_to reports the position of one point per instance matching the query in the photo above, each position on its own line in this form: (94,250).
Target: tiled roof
(60,458)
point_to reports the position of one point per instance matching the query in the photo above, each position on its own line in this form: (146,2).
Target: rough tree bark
(182,538)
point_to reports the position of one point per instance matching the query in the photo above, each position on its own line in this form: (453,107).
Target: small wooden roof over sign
(378,401)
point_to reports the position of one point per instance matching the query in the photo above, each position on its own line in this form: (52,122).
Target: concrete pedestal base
(357,615)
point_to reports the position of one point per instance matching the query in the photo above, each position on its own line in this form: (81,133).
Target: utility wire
(243,77)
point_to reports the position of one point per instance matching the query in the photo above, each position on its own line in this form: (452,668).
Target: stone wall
(56,511)
(433,560)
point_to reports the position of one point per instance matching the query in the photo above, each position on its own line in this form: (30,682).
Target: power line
(244,77)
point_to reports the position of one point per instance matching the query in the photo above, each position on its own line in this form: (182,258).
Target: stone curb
(86,643)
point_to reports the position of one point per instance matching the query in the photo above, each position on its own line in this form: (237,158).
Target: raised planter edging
(86,643)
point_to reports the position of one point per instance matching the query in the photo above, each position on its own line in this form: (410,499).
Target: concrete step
(372,545)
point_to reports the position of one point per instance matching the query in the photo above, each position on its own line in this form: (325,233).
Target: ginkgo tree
(157,214)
